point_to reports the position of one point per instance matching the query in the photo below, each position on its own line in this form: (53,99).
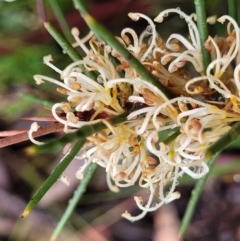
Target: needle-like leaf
(67,47)
(194,199)
(203,30)
(54,176)
(74,201)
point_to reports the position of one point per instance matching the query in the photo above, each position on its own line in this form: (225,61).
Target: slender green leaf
(61,18)
(74,201)
(194,199)
(203,30)
(67,47)
(54,176)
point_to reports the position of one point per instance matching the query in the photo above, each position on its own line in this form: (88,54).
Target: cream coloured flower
(135,151)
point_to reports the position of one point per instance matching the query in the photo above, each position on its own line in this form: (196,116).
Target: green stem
(60,18)
(54,176)
(232,9)
(82,132)
(105,35)
(194,199)
(225,140)
(74,201)
(203,30)
(67,47)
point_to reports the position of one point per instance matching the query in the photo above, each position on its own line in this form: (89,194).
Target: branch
(10,140)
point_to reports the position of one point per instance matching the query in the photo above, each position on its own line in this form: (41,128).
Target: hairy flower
(162,138)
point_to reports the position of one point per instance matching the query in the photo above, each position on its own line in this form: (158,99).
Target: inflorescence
(134,151)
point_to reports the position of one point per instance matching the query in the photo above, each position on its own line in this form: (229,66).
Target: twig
(12,132)
(82,132)
(7,141)
(39,118)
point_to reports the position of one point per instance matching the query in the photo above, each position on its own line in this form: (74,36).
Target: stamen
(192,26)
(34,127)
(237,43)
(135,17)
(75,32)
(47,60)
(65,180)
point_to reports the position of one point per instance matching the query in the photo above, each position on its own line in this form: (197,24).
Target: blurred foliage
(14,16)
(20,66)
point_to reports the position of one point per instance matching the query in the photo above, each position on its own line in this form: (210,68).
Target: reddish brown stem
(12,132)
(7,141)
(39,118)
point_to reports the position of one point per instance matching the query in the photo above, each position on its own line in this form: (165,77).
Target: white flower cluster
(136,151)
